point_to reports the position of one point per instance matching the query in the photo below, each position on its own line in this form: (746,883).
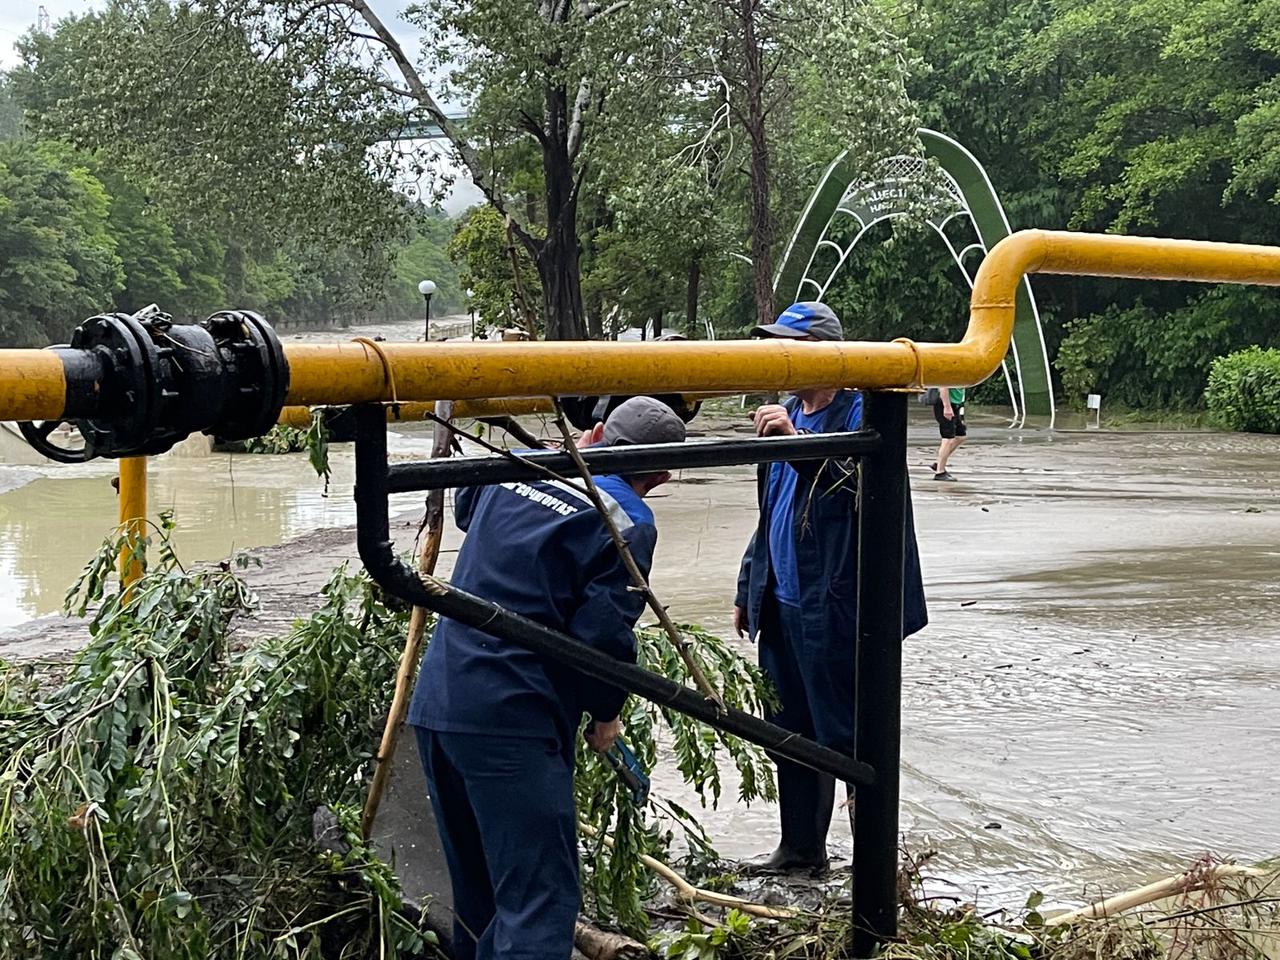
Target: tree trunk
(562,285)
(557,255)
(595,317)
(691,298)
(761,221)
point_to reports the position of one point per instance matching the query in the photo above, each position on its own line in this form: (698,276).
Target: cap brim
(778,330)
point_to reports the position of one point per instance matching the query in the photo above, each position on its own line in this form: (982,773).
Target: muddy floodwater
(1095,702)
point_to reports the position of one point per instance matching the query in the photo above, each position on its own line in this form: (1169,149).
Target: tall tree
(58,260)
(544,73)
(218,132)
(801,80)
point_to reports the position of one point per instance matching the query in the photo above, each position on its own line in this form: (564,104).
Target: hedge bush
(1244,390)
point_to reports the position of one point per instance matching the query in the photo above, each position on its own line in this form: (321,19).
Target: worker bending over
(497,724)
(798,591)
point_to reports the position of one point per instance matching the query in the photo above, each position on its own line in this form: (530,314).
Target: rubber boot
(805,801)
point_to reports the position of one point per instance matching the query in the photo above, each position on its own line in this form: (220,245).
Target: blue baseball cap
(808,318)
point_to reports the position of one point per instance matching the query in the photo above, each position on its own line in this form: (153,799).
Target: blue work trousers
(504,809)
(815,679)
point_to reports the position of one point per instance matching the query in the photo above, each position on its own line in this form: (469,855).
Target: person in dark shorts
(948,410)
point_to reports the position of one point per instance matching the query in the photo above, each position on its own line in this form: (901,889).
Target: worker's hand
(949,413)
(740,621)
(600,736)
(772,420)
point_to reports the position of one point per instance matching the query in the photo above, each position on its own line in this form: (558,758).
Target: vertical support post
(881,551)
(133,515)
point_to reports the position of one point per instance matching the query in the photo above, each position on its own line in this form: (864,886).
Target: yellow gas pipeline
(33,383)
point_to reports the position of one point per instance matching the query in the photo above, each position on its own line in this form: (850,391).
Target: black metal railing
(873,773)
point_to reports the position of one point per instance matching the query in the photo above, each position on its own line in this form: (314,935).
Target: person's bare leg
(944,454)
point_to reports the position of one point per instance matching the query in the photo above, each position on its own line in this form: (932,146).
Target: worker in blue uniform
(496,724)
(798,589)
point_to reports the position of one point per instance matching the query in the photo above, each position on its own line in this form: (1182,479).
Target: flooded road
(1096,700)
(1097,697)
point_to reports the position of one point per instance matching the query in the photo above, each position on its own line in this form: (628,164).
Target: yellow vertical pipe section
(133,517)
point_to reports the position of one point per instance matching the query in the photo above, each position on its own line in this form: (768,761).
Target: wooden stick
(428,554)
(637,578)
(687,892)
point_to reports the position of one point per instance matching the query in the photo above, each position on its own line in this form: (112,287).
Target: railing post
(881,547)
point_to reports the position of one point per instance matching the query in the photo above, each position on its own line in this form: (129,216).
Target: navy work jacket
(826,537)
(539,549)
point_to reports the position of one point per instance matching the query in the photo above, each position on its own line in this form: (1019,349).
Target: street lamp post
(471,308)
(427,288)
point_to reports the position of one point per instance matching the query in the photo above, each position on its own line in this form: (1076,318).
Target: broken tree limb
(515,429)
(638,579)
(690,894)
(1180,883)
(428,554)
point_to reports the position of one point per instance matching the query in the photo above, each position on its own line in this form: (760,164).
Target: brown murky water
(1101,677)
(1097,697)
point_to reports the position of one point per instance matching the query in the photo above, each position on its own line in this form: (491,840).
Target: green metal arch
(981,204)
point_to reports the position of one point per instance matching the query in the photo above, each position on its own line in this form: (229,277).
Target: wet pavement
(1096,700)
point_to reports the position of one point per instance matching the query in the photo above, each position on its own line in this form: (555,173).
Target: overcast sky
(19,16)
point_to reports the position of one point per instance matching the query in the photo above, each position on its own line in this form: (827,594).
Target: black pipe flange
(138,384)
(257,373)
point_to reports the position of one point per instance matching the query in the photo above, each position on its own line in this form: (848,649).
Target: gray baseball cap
(643,420)
(809,318)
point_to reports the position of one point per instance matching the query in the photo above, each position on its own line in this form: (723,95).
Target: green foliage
(1153,117)
(615,883)
(58,259)
(1244,390)
(695,942)
(480,246)
(164,800)
(316,443)
(210,199)
(900,281)
(180,774)
(426,256)
(152,84)
(1148,359)
(279,439)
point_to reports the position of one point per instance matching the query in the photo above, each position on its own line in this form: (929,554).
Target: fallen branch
(428,554)
(1187,882)
(690,894)
(512,427)
(637,578)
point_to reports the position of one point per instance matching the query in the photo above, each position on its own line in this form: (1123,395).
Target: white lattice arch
(900,185)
